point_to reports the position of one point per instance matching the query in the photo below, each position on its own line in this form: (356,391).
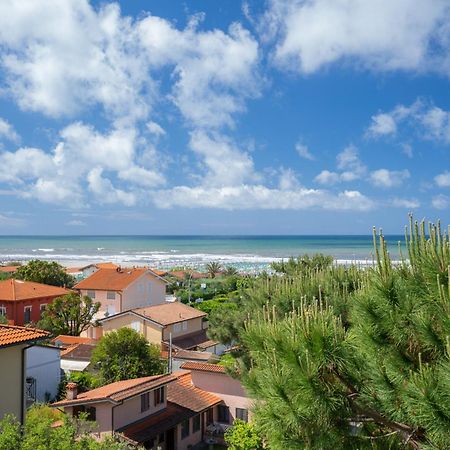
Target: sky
(231,117)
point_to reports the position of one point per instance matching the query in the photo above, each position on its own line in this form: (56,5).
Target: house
(43,373)
(14,342)
(81,273)
(157,323)
(23,302)
(165,411)
(214,378)
(8,269)
(120,289)
(76,352)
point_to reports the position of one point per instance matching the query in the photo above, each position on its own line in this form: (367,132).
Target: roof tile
(14,335)
(204,367)
(111,279)
(16,290)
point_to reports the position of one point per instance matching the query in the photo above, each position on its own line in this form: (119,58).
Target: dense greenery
(350,358)
(242,436)
(300,264)
(85,382)
(45,272)
(39,434)
(124,354)
(69,314)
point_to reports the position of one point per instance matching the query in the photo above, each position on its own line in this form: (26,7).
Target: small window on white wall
(184,325)
(111,295)
(136,326)
(177,328)
(91,293)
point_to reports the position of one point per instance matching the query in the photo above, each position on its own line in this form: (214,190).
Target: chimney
(71,391)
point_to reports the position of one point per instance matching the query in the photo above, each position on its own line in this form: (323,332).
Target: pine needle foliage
(355,359)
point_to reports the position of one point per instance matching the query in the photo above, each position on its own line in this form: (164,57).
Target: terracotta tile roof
(118,391)
(111,279)
(64,339)
(183,274)
(170,313)
(183,402)
(82,352)
(106,265)
(183,393)
(13,335)
(11,290)
(204,367)
(8,269)
(159,272)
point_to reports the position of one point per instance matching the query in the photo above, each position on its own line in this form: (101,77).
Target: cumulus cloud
(382,35)
(441,202)
(406,203)
(389,178)
(303,151)
(8,132)
(443,179)
(429,122)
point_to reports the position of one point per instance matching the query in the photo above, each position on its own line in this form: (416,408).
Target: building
(81,273)
(214,378)
(14,342)
(120,289)
(76,352)
(165,411)
(23,302)
(156,323)
(8,269)
(43,373)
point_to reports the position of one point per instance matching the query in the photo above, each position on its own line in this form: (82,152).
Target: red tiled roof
(8,269)
(106,265)
(14,335)
(182,274)
(12,289)
(111,279)
(78,351)
(204,367)
(120,390)
(64,339)
(169,313)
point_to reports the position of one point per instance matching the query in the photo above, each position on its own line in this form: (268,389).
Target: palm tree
(212,268)
(230,271)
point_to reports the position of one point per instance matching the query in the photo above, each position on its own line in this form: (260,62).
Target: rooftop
(112,279)
(11,290)
(81,352)
(64,340)
(203,367)
(118,391)
(14,335)
(170,313)
(8,269)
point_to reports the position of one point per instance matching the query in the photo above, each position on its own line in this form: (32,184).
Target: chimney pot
(71,391)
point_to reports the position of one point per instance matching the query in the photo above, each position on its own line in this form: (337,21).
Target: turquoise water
(245,252)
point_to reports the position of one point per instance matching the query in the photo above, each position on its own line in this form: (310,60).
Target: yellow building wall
(151,332)
(193,326)
(11,381)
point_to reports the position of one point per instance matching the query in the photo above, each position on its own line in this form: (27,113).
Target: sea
(245,253)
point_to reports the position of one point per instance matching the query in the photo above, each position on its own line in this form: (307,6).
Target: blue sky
(254,117)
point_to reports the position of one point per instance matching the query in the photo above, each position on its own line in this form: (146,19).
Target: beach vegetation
(124,354)
(46,272)
(69,314)
(318,261)
(213,268)
(350,358)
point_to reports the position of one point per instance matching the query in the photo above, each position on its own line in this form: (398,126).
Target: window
(42,308)
(159,395)
(177,328)
(136,326)
(27,314)
(3,311)
(224,414)
(145,402)
(184,324)
(91,293)
(196,424)
(242,414)
(111,295)
(91,413)
(185,429)
(161,438)
(110,310)
(209,416)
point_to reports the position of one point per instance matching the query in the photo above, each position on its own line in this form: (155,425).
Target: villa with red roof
(23,302)
(122,289)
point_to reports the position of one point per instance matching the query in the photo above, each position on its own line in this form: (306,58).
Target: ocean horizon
(245,252)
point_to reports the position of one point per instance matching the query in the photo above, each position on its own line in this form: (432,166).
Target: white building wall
(44,365)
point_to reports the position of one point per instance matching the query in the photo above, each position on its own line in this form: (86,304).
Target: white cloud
(155,128)
(381,35)
(303,151)
(327,178)
(348,161)
(441,202)
(428,121)
(443,179)
(76,223)
(407,149)
(382,124)
(288,180)
(389,178)
(7,131)
(405,203)
(261,197)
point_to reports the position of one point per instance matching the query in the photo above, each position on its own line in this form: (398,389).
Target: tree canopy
(242,436)
(124,354)
(354,359)
(69,314)
(45,272)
